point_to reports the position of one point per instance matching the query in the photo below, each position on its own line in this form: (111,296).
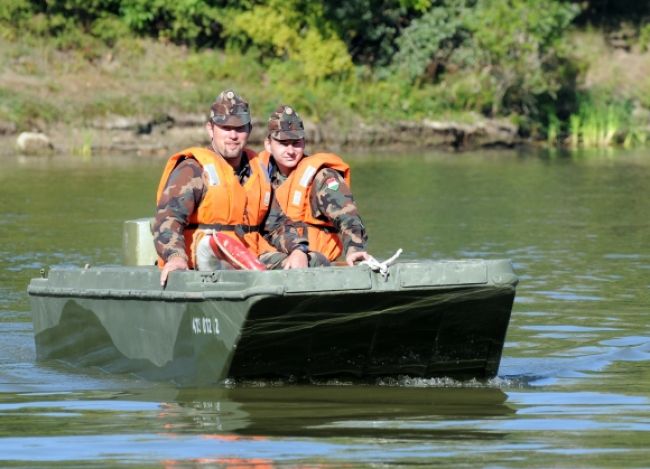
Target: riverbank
(146,97)
(156,136)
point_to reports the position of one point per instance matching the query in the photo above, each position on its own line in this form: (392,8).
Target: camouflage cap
(285,124)
(230,109)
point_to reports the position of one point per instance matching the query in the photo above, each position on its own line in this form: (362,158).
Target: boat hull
(427,319)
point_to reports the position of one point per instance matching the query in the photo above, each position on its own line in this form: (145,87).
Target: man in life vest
(313,191)
(223,188)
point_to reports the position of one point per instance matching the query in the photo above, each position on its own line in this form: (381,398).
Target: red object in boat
(234,252)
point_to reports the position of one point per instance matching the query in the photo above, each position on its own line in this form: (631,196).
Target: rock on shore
(33,143)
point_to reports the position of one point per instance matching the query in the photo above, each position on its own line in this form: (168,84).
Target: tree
(510,51)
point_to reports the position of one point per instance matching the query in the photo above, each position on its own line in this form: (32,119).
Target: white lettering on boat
(209,326)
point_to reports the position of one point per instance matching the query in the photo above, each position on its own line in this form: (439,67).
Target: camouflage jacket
(328,202)
(184,192)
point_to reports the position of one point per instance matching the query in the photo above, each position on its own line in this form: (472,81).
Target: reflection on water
(269,423)
(572,387)
(332,411)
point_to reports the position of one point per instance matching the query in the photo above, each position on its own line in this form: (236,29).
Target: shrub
(192,22)
(507,52)
(12,13)
(369,28)
(426,45)
(291,29)
(517,43)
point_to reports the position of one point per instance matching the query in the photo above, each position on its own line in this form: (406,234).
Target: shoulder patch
(332,184)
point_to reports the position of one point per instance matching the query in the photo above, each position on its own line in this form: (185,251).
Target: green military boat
(422,319)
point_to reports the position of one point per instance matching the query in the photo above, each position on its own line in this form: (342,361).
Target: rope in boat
(382,267)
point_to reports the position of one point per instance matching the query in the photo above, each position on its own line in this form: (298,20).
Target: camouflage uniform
(185,189)
(330,198)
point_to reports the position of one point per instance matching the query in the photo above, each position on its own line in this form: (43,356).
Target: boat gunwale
(202,290)
(108,294)
(150,295)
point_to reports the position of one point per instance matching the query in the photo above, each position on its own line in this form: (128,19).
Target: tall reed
(598,124)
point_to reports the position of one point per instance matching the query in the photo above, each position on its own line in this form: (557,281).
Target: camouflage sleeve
(182,194)
(332,199)
(280,231)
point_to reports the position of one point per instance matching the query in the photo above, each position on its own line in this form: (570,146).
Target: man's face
(287,153)
(228,141)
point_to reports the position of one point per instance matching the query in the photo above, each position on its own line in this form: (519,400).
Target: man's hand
(352,257)
(174,263)
(296,260)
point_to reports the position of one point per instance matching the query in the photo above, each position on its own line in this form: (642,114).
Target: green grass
(603,124)
(21,108)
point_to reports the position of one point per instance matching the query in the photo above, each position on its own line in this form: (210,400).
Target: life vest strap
(240,230)
(325,228)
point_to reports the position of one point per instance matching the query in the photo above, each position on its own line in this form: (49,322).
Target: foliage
(517,46)
(370,28)
(426,45)
(82,11)
(13,12)
(182,21)
(378,59)
(644,37)
(612,13)
(57,17)
(501,56)
(291,29)
(601,122)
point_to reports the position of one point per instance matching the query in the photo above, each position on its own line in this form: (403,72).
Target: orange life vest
(227,205)
(294,194)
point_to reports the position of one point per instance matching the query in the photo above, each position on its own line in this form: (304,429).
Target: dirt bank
(164,135)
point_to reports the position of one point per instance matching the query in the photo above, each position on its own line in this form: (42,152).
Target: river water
(573,389)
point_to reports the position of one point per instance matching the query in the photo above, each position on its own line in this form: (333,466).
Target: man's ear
(209,129)
(267,145)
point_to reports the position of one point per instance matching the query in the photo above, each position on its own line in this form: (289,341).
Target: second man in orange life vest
(314,191)
(224,188)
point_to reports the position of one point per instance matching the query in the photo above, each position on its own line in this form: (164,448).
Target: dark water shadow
(331,411)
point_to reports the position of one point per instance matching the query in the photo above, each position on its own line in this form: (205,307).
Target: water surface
(574,384)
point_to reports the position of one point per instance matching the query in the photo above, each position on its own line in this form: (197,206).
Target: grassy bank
(40,85)
(612,102)
(597,93)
